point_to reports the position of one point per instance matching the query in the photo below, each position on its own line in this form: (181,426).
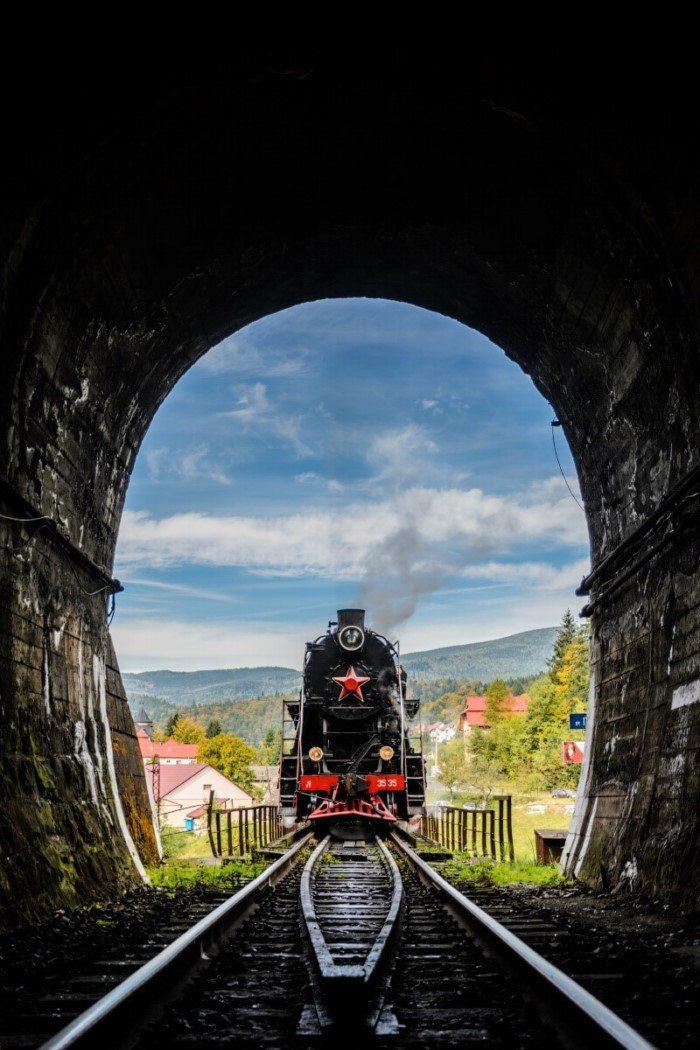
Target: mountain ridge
(511,656)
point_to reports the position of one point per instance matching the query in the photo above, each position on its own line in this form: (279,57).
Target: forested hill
(210,687)
(517,656)
(248,700)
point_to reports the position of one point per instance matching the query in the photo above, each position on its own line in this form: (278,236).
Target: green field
(525,822)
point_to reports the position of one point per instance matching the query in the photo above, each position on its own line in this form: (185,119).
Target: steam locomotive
(353,767)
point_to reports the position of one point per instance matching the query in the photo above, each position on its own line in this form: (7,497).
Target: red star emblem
(351,683)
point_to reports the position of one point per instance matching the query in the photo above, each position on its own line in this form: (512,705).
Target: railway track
(359,939)
(351,900)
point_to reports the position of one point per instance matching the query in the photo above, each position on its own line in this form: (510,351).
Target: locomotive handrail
(579,1015)
(135,995)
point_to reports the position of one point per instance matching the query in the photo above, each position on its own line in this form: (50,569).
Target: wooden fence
(237,832)
(481,832)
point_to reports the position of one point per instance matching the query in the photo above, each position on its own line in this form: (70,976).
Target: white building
(179,790)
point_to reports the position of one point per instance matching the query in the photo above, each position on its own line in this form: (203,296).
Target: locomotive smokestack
(351,618)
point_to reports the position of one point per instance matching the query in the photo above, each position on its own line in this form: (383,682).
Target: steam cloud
(404,568)
(397,575)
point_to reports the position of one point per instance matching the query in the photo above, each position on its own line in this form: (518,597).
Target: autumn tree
(231,756)
(529,749)
(187,731)
(561,692)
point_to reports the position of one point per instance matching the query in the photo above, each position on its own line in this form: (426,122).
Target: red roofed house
(169,754)
(474,714)
(181,790)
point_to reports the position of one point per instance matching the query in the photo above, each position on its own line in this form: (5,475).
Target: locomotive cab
(355,767)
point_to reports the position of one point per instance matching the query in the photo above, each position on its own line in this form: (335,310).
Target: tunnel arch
(551,230)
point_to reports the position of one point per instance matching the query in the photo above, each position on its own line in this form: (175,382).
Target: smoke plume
(401,570)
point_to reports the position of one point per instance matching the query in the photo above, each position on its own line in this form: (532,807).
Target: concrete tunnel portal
(150,225)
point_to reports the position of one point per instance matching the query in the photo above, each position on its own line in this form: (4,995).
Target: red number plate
(385,782)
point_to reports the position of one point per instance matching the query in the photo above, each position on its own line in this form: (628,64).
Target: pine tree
(213,728)
(566,635)
(170,725)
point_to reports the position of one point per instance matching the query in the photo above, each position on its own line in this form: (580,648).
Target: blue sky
(338,452)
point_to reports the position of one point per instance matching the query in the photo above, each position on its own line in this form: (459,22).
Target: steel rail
(134,997)
(581,1018)
(329,969)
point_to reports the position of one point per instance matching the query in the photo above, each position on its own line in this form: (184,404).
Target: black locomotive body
(354,768)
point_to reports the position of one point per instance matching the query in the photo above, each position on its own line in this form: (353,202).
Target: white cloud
(311,476)
(255,412)
(239,355)
(197,464)
(402,455)
(484,621)
(192,464)
(252,403)
(178,588)
(546,576)
(470,524)
(149,644)
(157,462)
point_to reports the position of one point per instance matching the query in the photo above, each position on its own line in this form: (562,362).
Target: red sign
(572,752)
(314,783)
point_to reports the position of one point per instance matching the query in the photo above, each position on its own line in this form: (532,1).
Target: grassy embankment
(525,868)
(181,867)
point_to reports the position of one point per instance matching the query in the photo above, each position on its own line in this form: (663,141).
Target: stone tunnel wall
(637,813)
(576,256)
(76,818)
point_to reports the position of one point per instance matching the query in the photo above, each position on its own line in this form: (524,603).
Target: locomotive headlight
(386,752)
(351,638)
(316,754)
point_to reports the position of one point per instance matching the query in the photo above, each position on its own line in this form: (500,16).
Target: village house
(474,714)
(180,786)
(181,793)
(171,753)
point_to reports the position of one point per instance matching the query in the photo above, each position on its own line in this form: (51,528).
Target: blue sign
(577,721)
